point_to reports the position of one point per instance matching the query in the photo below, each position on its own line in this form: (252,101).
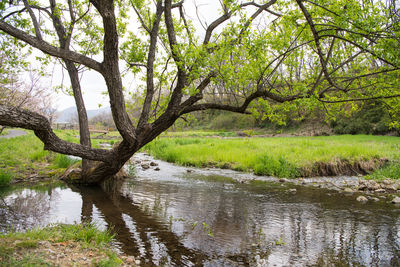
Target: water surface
(174,218)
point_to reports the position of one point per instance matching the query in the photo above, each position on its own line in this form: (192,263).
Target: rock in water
(348,190)
(362,199)
(396,200)
(145,166)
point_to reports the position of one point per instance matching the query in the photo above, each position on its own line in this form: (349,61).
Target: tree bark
(75,84)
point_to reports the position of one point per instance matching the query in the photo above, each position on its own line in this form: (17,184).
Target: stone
(145,166)
(348,190)
(362,187)
(157,169)
(375,199)
(153,164)
(396,200)
(188,170)
(282,180)
(130,260)
(380,190)
(292,190)
(137,262)
(391,188)
(362,199)
(388,182)
(372,185)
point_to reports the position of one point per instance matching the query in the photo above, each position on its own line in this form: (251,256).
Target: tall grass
(5,177)
(279,156)
(63,161)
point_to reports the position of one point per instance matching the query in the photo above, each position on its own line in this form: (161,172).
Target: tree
(26,93)
(279,54)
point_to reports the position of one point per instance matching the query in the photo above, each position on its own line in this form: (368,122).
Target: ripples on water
(171,220)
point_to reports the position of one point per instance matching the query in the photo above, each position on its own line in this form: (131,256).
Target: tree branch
(17,117)
(34,20)
(150,67)
(49,49)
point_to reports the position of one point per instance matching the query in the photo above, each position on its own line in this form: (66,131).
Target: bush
(372,118)
(5,177)
(229,121)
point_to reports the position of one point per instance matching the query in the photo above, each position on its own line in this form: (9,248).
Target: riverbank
(354,187)
(287,157)
(61,245)
(23,160)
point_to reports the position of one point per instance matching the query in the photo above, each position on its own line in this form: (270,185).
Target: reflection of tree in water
(26,208)
(251,228)
(138,233)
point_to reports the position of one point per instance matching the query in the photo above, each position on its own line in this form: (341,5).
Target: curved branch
(17,117)
(49,49)
(246,103)
(358,99)
(228,15)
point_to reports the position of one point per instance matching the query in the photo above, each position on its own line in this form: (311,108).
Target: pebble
(153,164)
(157,169)
(145,166)
(362,199)
(380,190)
(348,190)
(130,260)
(396,200)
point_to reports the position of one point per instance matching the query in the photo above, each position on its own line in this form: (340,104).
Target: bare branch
(49,49)
(150,67)
(34,20)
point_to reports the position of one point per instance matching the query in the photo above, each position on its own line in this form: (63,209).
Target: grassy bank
(22,158)
(282,156)
(59,245)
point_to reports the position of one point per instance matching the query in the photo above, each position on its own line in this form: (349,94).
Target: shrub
(372,118)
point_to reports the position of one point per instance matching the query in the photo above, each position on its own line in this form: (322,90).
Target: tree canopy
(273,56)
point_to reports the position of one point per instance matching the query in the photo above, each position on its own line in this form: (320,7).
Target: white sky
(93,83)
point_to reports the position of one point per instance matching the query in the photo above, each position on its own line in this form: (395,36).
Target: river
(172,217)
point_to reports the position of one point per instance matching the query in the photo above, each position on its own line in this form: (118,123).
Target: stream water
(173,217)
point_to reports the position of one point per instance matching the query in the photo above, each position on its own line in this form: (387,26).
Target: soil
(68,253)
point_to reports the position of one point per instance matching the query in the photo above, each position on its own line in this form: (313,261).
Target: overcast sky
(93,84)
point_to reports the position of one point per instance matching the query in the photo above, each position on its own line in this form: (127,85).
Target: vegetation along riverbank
(61,245)
(377,157)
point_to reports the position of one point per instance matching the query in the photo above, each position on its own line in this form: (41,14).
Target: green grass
(199,134)
(391,170)
(87,236)
(4,132)
(5,177)
(63,161)
(24,155)
(277,156)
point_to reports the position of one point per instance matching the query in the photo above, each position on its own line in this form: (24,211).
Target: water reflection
(181,222)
